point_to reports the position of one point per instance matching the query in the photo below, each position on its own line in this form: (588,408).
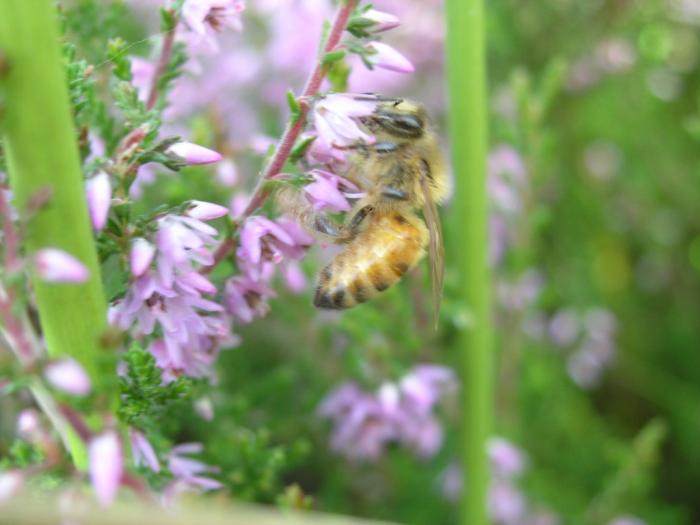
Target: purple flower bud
(141,256)
(99,197)
(194,153)
(28,425)
(106,465)
(205,211)
(69,376)
(56,266)
(506,459)
(11,482)
(381,21)
(143,451)
(384,56)
(506,503)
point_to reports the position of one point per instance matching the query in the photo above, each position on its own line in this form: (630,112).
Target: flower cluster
(364,423)
(507,180)
(169,293)
(507,505)
(264,245)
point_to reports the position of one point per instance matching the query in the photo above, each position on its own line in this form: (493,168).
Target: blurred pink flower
(106,465)
(142,451)
(11,483)
(29,425)
(627,520)
(142,72)
(384,56)
(381,21)
(194,153)
(564,327)
(189,471)
(506,504)
(141,256)
(99,198)
(205,211)
(202,16)
(506,459)
(246,299)
(69,376)
(56,266)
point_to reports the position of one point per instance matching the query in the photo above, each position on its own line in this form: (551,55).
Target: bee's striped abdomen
(376,259)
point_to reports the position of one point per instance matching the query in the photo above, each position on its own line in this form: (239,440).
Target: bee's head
(400,118)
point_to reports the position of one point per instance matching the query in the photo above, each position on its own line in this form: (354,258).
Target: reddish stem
(293,129)
(166,52)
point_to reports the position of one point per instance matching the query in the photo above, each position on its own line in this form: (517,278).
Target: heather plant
(162,167)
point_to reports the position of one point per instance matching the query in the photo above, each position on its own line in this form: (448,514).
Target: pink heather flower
(264,241)
(564,327)
(142,451)
(142,72)
(506,459)
(169,294)
(205,211)
(201,16)
(188,470)
(506,504)
(365,423)
(293,276)
(56,266)
(11,482)
(141,256)
(381,21)
(327,191)
(246,299)
(99,197)
(106,465)
(227,173)
(29,426)
(506,176)
(333,120)
(521,293)
(194,153)
(384,56)
(361,430)
(69,376)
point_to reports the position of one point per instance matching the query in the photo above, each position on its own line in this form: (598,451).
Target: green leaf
(293,104)
(300,148)
(333,57)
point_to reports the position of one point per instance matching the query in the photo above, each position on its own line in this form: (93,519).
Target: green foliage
(21,455)
(144,396)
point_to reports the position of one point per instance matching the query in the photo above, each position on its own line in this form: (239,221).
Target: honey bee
(401,173)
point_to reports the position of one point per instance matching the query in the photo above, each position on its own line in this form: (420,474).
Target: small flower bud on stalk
(194,154)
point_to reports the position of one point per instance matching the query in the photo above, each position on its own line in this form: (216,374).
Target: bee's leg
(394,193)
(357,219)
(325,226)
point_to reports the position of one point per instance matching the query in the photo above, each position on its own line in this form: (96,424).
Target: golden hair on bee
(401,174)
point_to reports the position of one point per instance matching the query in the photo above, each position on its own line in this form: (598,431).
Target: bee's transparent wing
(436,249)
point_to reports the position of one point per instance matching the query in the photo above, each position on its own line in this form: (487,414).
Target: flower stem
(40,143)
(294,126)
(466,72)
(166,52)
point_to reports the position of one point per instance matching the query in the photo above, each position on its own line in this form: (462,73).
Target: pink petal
(205,211)
(56,266)
(389,58)
(69,376)
(99,198)
(106,465)
(141,256)
(194,153)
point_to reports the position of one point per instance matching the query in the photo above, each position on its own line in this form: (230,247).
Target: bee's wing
(436,249)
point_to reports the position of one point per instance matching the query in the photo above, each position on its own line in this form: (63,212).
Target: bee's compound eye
(401,124)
